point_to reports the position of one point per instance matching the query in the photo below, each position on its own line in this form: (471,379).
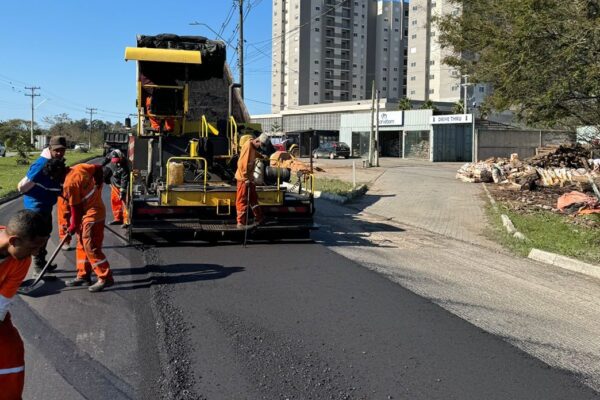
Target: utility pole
(377,132)
(372,133)
(466,86)
(32,95)
(241,49)
(91,111)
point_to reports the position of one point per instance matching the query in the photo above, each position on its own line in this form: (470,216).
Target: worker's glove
(74,221)
(123,194)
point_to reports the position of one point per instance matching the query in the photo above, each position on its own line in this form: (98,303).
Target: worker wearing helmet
(82,192)
(119,182)
(25,234)
(246,189)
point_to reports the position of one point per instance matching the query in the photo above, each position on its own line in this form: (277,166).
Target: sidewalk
(418,193)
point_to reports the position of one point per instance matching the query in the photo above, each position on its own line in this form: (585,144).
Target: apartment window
(413,78)
(413,64)
(385,49)
(316,93)
(412,92)
(432,62)
(432,34)
(317,29)
(481,89)
(414,36)
(316,61)
(395,69)
(414,8)
(414,22)
(431,76)
(317,8)
(431,91)
(384,78)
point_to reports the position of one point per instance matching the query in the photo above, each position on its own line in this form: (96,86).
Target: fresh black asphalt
(270,321)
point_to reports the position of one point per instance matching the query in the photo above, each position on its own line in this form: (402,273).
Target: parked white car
(2,150)
(83,147)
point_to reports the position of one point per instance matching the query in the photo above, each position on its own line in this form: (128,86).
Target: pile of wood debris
(565,165)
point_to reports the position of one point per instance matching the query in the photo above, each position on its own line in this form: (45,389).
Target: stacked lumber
(561,166)
(563,157)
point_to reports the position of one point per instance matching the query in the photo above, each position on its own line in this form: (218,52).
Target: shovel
(31,285)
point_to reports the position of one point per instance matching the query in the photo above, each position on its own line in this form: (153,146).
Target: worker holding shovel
(26,233)
(87,213)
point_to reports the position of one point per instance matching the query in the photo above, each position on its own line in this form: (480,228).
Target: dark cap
(58,142)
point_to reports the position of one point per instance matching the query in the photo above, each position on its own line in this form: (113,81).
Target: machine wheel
(331,156)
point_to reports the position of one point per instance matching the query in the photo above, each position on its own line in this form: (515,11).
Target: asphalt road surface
(270,321)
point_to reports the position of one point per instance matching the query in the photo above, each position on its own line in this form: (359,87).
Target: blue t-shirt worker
(40,191)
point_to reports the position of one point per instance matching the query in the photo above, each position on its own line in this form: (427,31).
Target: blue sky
(74,51)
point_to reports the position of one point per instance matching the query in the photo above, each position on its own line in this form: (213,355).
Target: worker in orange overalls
(25,234)
(244,175)
(82,191)
(119,182)
(169,123)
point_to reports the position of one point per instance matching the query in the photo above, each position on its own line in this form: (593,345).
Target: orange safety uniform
(245,192)
(119,209)
(155,122)
(12,353)
(62,212)
(80,190)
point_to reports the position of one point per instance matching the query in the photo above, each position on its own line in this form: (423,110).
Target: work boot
(101,284)
(115,222)
(125,225)
(87,281)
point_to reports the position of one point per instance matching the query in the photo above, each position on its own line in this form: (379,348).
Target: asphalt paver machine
(183,157)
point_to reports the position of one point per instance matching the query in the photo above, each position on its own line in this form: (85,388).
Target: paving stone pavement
(422,194)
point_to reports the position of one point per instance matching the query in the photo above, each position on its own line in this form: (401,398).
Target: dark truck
(114,141)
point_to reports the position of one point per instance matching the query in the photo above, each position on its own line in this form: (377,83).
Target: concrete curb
(362,189)
(15,195)
(565,263)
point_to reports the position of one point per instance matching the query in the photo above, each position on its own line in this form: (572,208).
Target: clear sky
(73,50)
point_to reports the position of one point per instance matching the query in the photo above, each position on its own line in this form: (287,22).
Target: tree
(405,104)
(428,105)
(458,107)
(542,57)
(12,129)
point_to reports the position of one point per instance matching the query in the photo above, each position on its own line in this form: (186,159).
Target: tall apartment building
(331,50)
(428,77)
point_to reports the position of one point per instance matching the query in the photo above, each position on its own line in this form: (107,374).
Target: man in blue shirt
(41,191)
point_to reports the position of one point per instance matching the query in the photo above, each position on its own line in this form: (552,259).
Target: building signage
(390,118)
(452,119)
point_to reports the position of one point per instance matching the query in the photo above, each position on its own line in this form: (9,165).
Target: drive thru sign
(452,119)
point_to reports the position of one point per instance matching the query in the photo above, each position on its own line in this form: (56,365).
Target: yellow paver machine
(183,156)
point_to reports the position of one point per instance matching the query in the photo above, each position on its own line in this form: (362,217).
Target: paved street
(429,318)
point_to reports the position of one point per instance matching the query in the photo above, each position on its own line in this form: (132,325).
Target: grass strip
(548,231)
(333,186)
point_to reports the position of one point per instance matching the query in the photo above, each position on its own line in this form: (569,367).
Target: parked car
(2,150)
(332,150)
(83,147)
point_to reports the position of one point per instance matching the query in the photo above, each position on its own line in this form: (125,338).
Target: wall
(502,143)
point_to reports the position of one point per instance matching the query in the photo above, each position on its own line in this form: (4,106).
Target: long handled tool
(31,285)
(247,216)
(123,238)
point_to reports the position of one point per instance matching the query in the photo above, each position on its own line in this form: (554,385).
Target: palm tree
(405,104)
